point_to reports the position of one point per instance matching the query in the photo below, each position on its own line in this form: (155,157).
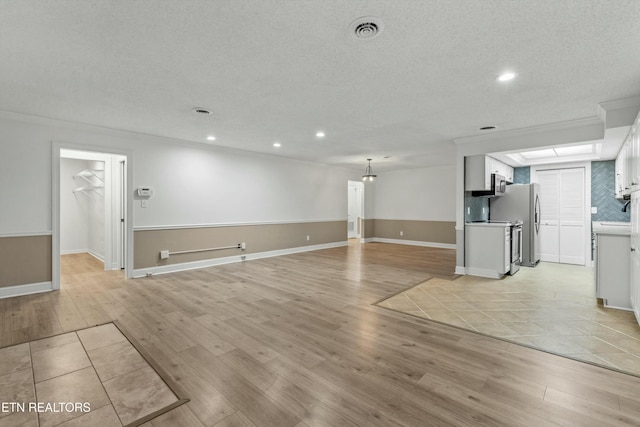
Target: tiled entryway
(95,368)
(550,307)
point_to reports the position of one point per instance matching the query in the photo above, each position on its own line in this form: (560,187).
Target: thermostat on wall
(144,191)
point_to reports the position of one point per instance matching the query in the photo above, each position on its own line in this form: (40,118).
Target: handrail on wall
(238,246)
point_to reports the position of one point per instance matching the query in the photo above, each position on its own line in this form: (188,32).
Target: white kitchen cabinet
(500,168)
(478,170)
(628,163)
(634,141)
(635,255)
(487,249)
(619,179)
(612,261)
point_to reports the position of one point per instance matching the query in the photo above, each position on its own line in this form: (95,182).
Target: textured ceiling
(274,70)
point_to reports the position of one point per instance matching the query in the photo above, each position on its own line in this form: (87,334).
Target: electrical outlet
(164,254)
(308,238)
(243,246)
(468,211)
(484,210)
(594,209)
(401,233)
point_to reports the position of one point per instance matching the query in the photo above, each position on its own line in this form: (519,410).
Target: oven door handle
(519,231)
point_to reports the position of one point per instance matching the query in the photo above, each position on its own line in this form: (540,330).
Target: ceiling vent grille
(199,110)
(366,27)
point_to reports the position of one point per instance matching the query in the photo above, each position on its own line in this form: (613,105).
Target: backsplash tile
(602,193)
(522,175)
(473,208)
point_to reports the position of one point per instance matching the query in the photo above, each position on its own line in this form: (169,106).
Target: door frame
(56,146)
(587,197)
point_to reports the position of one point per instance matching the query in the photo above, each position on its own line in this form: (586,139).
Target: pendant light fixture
(368,173)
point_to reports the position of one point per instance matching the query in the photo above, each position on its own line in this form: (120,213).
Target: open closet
(92,206)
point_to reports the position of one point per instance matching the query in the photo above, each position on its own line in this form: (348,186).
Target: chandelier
(368,173)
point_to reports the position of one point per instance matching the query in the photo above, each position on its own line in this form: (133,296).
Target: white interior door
(354,214)
(549,216)
(563,222)
(572,216)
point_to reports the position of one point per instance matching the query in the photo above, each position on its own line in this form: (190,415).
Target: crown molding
(47,121)
(617,104)
(529,131)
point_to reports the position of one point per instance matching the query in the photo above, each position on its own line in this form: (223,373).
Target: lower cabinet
(613,270)
(487,249)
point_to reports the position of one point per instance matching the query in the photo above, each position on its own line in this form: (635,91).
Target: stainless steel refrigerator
(521,202)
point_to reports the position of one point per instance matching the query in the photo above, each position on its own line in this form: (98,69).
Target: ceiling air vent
(199,110)
(366,27)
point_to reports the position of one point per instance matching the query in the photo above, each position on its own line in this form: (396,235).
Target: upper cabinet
(478,170)
(628,163)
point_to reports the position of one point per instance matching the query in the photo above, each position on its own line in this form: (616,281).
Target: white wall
(196,186)
(74,208)
(193,183)
(426,194)
(25,179)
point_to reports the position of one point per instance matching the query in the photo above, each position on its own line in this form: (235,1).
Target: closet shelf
(90,189)
(92,176)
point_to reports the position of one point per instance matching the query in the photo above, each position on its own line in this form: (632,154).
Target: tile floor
(550,307)
(97,365)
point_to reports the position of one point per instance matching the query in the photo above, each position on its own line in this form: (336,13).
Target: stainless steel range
(516,247)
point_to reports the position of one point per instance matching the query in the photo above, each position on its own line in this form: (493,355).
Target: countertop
(609,227)
(488,224)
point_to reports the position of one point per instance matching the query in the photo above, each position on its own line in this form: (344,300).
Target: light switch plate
(594,209)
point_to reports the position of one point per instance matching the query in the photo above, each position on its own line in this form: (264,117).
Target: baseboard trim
(173,268)
(412,242)
(491,274)
(96,256)
(460,269)
(618,308)
(74,251)
(31,288)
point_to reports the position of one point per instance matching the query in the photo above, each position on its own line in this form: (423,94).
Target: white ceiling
(274,70)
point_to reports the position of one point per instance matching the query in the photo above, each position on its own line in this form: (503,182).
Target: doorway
(91,210)
(355,209)
(564,224)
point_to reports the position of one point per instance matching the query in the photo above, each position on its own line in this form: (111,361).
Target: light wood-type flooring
(296,341)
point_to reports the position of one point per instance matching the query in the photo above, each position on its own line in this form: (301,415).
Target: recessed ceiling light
(200,110)
(487,128)
(320,134)
(505,77)
(211,138)
(277,144)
